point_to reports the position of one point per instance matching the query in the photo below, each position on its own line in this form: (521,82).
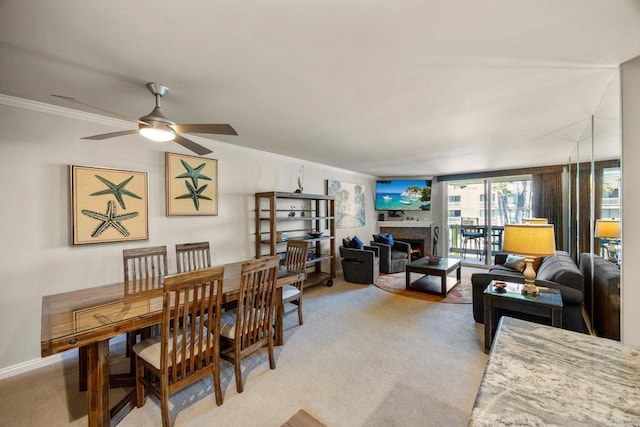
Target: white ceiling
(387,88)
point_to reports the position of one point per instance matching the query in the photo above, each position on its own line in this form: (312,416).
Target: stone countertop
(544,376)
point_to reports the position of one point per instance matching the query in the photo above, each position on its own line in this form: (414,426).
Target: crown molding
(41,107)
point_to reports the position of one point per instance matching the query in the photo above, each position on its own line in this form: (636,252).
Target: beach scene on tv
(403,195)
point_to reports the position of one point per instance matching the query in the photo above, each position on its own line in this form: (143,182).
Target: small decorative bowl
(433,260)
(315,234)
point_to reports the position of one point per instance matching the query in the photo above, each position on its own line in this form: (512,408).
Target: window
(454,199)
(455,213)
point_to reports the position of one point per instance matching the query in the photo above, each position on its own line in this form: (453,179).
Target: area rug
(460,294)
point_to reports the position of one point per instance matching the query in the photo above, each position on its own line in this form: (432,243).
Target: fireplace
(419,236)
(417,248)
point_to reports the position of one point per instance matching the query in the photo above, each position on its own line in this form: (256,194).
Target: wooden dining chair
(250,327)
(193,256)
(144,269)
(183,355)
(295,260)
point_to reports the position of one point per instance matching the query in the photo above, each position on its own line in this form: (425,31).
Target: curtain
(547,202)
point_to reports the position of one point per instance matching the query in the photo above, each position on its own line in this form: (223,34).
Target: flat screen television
(403,195)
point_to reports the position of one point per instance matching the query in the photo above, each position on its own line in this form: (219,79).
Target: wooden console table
(547,304)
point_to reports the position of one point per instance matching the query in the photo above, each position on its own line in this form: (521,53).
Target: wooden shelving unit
(295,215)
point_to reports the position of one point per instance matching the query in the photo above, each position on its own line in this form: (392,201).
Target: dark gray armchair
(360,265)
(393,259)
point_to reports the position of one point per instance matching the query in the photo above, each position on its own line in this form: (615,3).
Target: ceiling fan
(157,127)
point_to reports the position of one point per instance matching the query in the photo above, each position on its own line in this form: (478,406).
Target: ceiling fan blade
(110,113)
(189,144)
(221,129)
(111,135)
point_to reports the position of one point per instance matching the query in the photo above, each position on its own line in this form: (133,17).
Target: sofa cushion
(561,269)
(398,255)
(346,242)
(515,262)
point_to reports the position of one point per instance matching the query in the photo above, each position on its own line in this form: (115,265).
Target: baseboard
(41,362)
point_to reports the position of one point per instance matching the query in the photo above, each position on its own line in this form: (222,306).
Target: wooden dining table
(88,318)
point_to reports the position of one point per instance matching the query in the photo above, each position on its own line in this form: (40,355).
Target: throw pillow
(346,242)
(386,239)
(537,262)
(515,262)
(356,243)
(376,238)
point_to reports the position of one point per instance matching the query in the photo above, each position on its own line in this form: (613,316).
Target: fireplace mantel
(412,224)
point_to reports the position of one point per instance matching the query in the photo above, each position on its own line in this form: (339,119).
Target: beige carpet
(364,357)
(460,294)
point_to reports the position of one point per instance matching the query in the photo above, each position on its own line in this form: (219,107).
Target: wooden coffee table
(435,276)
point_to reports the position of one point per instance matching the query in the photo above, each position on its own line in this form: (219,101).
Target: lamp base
(529,278)
(530,289)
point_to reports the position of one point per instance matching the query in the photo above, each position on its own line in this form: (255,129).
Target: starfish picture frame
(192,185)
(108,205)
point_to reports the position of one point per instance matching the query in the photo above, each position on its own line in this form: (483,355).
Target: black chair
(393,259)
(360,265)
(471,234)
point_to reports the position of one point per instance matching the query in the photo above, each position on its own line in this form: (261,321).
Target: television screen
(403,195)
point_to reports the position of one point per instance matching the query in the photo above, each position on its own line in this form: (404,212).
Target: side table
(548,304)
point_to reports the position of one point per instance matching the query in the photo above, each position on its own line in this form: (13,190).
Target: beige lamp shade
(535,221)
(529,239)
(607,228)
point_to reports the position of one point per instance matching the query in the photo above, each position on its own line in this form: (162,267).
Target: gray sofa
(558,271)
(605,284)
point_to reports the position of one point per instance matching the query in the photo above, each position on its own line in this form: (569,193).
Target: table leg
(98,383)
(279,317)
(556,317)
(443,284)
(488,323)
(459,273)
(407,278)
(82,368)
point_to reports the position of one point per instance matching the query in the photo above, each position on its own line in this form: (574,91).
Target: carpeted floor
(363,357)
(460,294)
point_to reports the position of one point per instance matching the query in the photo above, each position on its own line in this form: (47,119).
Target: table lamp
(530,240)
(609,229)
(535,221)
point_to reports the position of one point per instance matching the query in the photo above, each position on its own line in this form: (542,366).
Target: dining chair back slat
(144,268)
(193,256)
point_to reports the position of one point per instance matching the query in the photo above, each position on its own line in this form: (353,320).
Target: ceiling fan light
(158,134)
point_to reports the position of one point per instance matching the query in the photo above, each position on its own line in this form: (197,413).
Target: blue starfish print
(193,173)
(117,190)
(195,194)
(110,219)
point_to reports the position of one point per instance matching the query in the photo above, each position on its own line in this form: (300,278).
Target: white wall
(37,145)
(630,292)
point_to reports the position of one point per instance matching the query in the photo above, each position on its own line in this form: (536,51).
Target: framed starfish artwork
(108,205)
(192,185)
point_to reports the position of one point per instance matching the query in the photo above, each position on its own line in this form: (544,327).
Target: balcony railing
(455,240)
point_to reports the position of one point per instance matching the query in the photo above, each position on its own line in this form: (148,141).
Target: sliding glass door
(478,211)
